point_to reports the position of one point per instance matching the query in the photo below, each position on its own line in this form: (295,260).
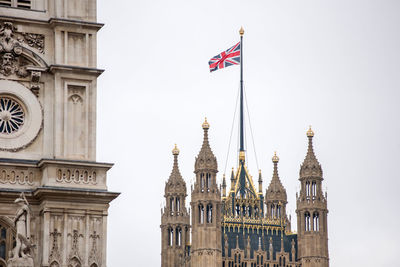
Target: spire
(206,159)
(259,181)
(310,166)
(175,173)
(275,190)
(223,186)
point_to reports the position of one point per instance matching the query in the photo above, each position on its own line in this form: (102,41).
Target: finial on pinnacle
(206,125)
(310,132)
(241,31)
(275,158)
(175,151)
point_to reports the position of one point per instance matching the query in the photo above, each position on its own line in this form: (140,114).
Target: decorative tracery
(12,115)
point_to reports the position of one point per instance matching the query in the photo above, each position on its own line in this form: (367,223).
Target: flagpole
(241,150)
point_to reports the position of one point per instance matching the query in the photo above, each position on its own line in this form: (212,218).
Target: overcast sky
(334,65)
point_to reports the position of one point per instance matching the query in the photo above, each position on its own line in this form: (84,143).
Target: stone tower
(276,197)
(312,212)
(48,87)
(206,209)
(175,219)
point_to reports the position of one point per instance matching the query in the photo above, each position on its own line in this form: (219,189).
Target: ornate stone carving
(10,51)
(21,253)
(11,44)
(93,256)
(13,176)
(34,40)
(74,254)
(78,176)
(55,254)
(35,86)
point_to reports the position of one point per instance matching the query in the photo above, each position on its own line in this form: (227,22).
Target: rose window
(11,115)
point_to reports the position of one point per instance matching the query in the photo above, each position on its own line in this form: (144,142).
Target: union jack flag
(225,59)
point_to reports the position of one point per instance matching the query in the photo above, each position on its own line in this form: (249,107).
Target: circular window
(20,116)
(11,115)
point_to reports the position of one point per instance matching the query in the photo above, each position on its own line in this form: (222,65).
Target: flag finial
(241,31)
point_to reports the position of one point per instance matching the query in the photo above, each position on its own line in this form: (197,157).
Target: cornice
(56,22)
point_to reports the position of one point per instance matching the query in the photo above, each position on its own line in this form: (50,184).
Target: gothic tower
(175,219)
(48,95)
(206,209)
(276,197)
(312,212)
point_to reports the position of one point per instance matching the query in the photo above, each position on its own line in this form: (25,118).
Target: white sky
(332,64)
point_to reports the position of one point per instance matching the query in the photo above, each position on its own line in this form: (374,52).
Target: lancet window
(307,188)
(307,221)
(201,213)
(202,182)
(171,205)
(209,213)
(316,221)
(208,181)
(178,204)
(170,236)
(314,188)
(178,236)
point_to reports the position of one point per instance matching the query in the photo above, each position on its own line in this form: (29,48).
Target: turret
(206,208)
(175,219)
(312,211)
(275,196)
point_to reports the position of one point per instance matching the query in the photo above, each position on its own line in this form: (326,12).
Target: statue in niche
(21,256)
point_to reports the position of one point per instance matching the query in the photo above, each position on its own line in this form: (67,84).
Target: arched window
(201,213)
(7,241)
(208,181)
(178,236)
(278,211)
(272,211)
(54,264)
(209,213)
(170,236)
(202,182)
(314,188)
(171,205)
(307,221)
(237,210)
(178,204)
(316,221)
(307,189)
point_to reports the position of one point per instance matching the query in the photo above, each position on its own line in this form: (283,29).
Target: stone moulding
(51,172)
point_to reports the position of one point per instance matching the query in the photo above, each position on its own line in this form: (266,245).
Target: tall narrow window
(316,221)
(178,236)
(307,221)
(237,210)
(178,204)
(171,205)
(307,189)
(208,181)
(202,182)
(314,188)
(209,213)
(201,213)
(272,211)
(170,236)
(278,211)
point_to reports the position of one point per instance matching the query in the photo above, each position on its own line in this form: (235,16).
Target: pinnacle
(206,158)
(310,166)
(276,185)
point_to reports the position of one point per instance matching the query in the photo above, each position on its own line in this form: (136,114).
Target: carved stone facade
(244,228)
(48,80)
